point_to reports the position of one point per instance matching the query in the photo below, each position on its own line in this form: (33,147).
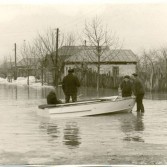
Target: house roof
(107,55)
(68,51)
(28,62)
(122,56)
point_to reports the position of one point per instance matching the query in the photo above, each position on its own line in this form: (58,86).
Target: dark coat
(126,87)
(52,99)
(138,87)
(70,84)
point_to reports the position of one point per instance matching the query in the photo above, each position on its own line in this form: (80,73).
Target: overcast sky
(140,25)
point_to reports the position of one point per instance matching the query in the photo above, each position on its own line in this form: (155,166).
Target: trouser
(73,96)
(139,101)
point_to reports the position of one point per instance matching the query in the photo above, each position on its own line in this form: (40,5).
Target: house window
(115,71)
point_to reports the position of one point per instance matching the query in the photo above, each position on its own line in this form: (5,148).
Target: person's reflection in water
(71,135)
(133,127)
(139,126)
(53,131)
(50,128)
(16,92)
(28,92)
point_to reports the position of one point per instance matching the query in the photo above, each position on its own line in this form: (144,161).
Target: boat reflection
(133,127)
(71,135)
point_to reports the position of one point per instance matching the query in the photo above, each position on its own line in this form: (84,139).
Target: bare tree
(102,41)
(28,60)
(46,45)
(40,52)
(4,66)
(150,66)
(164,53)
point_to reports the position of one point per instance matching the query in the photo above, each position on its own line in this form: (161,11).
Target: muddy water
(129,138)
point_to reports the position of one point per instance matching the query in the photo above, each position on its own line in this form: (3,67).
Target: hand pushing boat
(92,107)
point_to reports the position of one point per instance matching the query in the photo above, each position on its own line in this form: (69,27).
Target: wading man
(69,85)
(138,89)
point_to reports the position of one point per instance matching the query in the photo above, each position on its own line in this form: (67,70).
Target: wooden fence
(88,78)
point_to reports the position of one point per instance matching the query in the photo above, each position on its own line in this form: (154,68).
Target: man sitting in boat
(69,85)
(52,98)
(126,86)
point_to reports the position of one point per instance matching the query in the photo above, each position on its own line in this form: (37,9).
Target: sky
(141,25)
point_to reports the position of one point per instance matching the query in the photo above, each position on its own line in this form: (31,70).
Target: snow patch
(23,81)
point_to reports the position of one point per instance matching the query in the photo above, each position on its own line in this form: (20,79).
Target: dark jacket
(126,88)
(70,84)
(138,87)
(52,99)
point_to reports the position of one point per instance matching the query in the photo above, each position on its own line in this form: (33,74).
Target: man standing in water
(138,89)
(69,85)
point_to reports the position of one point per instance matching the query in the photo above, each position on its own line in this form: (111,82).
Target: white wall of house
(124,69)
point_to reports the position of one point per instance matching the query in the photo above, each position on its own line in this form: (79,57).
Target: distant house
(115,62)
(28,66)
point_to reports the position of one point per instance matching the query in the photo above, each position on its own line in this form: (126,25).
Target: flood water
(126,138)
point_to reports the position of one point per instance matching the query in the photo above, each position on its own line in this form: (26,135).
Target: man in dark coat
(139,92)
(69,85)
(126,86)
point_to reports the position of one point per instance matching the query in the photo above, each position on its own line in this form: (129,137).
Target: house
(28,66)
(114,62)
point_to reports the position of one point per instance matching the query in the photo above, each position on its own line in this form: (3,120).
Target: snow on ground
(22,81)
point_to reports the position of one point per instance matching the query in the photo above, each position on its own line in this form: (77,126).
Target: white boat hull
(94,107)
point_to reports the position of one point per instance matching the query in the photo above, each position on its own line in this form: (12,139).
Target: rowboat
(100,106)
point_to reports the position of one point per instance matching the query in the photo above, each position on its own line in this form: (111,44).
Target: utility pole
(56,58)
(98,67)
(57,44)
(15,71)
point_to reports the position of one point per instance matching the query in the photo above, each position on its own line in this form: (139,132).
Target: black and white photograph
(83,83)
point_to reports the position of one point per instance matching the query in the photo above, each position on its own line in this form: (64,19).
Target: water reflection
(50,128)
(139,125)
(156,95)
(53,131)
(133,127)
(16,92)
(71,135)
